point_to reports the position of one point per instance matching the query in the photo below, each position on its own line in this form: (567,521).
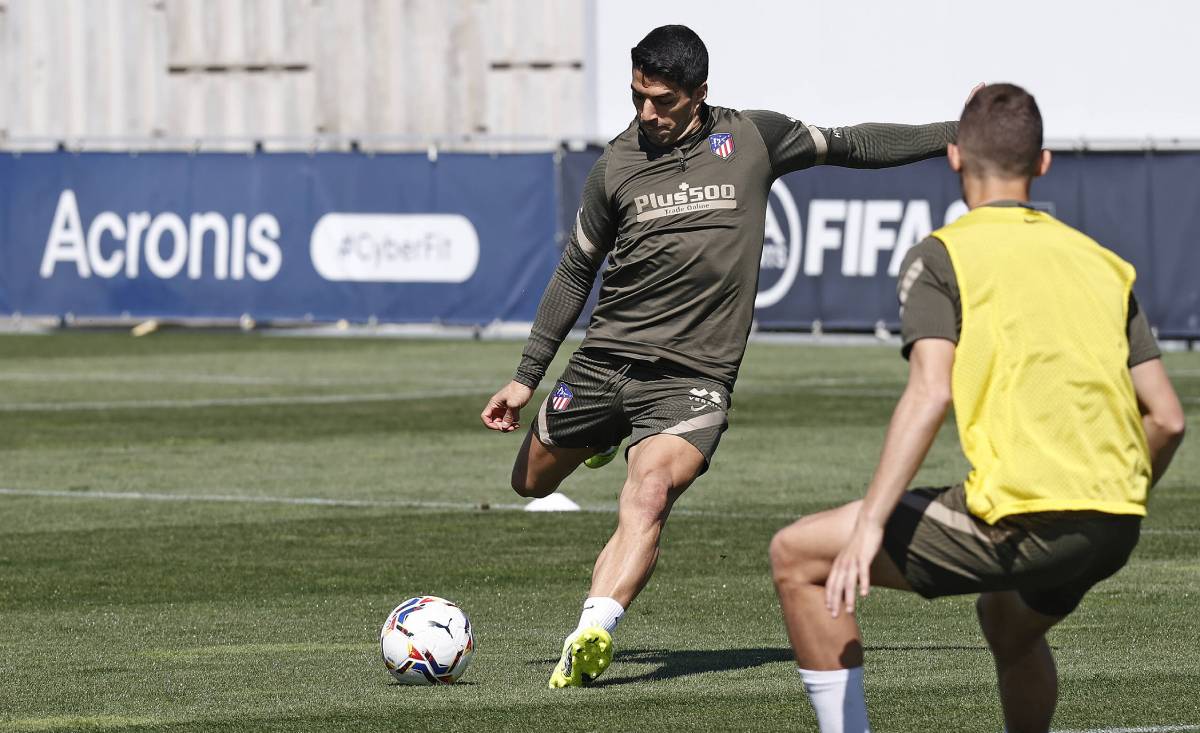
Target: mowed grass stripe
(163,378)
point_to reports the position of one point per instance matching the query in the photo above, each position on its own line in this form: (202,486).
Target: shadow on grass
(459,683)
(673,664)
(698,661)
(925,648)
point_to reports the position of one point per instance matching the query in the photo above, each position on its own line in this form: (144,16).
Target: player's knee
(647,497)
(529,484)
(780,557)
(786,556)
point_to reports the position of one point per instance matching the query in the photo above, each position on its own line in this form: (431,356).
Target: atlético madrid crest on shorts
(562,396)
(721,144)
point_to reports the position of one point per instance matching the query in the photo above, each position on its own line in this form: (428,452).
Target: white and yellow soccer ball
(426,641)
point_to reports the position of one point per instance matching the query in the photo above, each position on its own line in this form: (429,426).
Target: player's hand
(503,411)
(851,572)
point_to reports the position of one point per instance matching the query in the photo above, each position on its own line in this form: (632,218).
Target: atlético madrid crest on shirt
(721,144)
(562,397)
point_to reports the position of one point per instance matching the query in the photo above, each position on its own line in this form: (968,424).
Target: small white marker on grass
(553,503)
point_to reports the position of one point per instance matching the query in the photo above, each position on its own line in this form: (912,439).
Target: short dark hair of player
(674,53)
(1000,133)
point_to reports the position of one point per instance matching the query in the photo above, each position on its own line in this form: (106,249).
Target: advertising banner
(835,237)
(463,239)
(473,238)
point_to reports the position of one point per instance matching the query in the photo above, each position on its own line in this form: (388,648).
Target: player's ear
(700,94)
(1043,162)
(954,157)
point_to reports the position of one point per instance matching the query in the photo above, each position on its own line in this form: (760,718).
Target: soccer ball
(426,641)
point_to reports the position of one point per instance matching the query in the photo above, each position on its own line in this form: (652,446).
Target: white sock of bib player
(837,698)
(600,611)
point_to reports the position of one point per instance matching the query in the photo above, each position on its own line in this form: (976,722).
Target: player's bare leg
(802,556)
(539,468)
(661,467)
(828,650)
(1025,668)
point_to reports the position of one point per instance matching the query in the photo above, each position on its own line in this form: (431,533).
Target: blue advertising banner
(465,239)
(470,239)
(835,237)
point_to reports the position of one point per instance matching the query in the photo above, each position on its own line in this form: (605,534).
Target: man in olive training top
(676,205)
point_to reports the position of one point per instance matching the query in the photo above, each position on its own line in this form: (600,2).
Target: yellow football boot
(603,458)
(585,655)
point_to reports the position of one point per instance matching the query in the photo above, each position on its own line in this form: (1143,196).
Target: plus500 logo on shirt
(686,199)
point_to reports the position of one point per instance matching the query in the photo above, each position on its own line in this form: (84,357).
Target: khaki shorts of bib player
(1065,425)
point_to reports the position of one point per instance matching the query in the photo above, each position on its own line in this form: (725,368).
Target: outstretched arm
(794,145)
(881,145)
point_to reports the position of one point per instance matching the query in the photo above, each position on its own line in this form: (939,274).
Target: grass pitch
(204,532)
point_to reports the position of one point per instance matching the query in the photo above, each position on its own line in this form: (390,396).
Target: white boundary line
(252,499)
(330,399)
(315,501)
(402,503)
(352,503)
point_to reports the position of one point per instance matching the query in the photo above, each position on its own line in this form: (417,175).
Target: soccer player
(677,206)
(1064,411)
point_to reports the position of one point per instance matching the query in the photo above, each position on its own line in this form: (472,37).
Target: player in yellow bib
(1064,411)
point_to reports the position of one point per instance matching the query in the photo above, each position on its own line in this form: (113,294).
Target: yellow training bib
(1046,411)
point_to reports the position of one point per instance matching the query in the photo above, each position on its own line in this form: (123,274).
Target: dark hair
(674,53)
(1000,132)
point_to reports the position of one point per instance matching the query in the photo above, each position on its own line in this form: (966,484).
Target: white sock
(600,611)
(837,698)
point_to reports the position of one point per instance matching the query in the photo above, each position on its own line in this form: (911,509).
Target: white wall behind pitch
(1100,69)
